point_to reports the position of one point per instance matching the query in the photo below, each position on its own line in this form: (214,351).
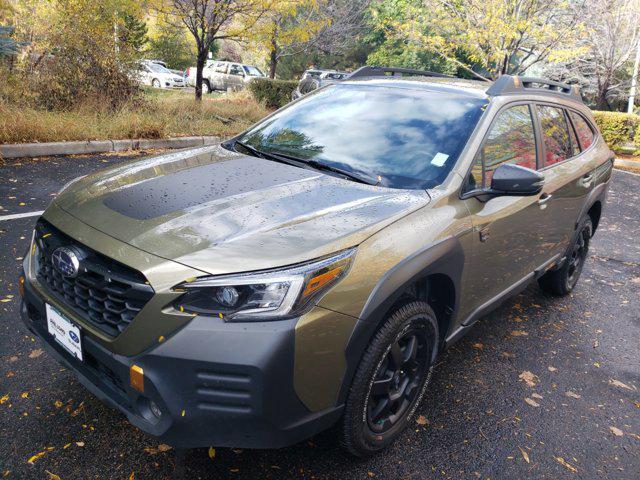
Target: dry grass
(163,114)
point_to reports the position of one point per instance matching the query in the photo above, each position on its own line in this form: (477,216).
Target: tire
(206,88)
(155,83)
(365,428)
(563,280)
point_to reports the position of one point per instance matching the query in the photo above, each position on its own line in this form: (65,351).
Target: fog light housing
(155,409)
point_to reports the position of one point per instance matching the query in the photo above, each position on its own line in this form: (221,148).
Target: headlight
(269,295)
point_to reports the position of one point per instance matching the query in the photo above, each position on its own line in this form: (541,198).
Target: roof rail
(394,72)
(508,84)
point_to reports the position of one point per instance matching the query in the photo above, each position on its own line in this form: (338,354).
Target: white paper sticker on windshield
(439,159)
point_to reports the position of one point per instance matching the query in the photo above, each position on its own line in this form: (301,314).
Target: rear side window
(510,140)
(555,134)
(585,134)
(221,67)
(235,70)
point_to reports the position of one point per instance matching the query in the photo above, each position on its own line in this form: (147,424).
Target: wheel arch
(432,274)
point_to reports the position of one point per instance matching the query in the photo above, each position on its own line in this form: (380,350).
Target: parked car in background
(222,75)
(164,64)
(313,79)
(158,76)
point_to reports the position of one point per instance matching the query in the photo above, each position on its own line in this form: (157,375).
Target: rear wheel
(206,88)
(563,280)
(391,380)
(155,83)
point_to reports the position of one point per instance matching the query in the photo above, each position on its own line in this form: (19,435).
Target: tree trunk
(273,58)
(200,62)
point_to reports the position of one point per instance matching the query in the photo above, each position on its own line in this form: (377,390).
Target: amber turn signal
(136,378)
(21,285)
(321,280)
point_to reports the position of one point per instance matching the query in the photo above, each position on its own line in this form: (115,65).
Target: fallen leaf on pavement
(421,420)
(519,333)
(528,377)
(36,353)
(525,455)
(80,444)
(552,369)
(618,383)
(3,399)
(478,346)
(132,476)
(572,394)
(212,453)
(566,465)
(25,395)
(531,402)
(616,431)
(36,457)
(52,476)
(164,447)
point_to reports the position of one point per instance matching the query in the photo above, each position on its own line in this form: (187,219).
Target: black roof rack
(394,72)
(509,84)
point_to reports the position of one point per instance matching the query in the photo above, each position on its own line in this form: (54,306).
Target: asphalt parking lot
(541,388)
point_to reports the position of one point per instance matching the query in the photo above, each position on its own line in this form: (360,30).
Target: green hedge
(619,129)
(274,93)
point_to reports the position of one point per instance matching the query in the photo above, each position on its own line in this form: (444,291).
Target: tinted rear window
(409,138)
(585,134)
(555,133)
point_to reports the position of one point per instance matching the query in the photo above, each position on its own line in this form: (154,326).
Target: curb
(620,162)
(19,150)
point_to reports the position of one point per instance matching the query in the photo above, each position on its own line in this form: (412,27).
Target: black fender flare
(444,257)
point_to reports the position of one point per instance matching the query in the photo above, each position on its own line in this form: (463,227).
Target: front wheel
(562,280)
(155,83)
(391,380)
(206,88)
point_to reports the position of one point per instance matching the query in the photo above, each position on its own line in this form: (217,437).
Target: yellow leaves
(52,476)
(566,465)
(525,455)
(478,346)
(80,444)
(24,395)
(58,403)
(3,399)
(159,449)
(212,453)
(421,420)
(132,476)
(35,457)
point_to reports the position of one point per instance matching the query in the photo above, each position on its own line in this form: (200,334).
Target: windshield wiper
(299,162)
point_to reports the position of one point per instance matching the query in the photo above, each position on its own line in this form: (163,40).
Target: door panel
(510,238)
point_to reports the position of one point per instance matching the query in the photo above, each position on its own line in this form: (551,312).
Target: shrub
(273,93)
(618,129)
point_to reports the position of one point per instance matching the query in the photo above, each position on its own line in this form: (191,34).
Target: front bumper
(217,384)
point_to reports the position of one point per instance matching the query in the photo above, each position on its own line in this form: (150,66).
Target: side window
(575,146)
(221,67)
(510,140)
(555,134)
(235,70)
(585,134)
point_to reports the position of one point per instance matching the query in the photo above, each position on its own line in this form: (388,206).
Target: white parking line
(630,173)
(15,216)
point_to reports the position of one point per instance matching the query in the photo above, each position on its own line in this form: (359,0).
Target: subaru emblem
(74,337)
(66,261)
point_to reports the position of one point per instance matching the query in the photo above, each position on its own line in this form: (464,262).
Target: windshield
(154,67)
(252,71)
(407,138)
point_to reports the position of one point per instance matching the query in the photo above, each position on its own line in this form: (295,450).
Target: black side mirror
(515,180)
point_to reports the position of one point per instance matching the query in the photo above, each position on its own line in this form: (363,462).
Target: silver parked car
(222,75)
(158,76)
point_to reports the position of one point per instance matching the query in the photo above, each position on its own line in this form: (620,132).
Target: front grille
(105,293)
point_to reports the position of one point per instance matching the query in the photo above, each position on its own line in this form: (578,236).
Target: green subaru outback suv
(308,272)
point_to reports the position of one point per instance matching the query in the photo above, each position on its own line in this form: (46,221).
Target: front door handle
(544,198)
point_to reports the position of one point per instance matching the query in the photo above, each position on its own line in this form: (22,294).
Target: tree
(286,29)
(603,67)
(212,20)
(133,31)
(501,36)
(172,46)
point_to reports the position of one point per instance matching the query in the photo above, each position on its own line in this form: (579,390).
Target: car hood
(222,212)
